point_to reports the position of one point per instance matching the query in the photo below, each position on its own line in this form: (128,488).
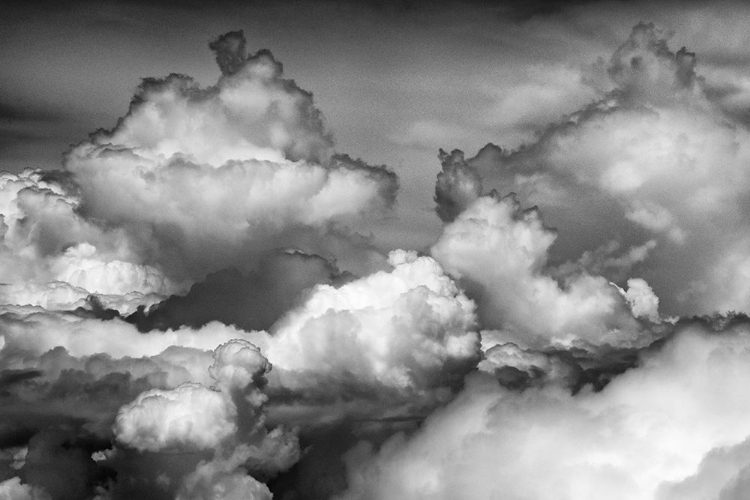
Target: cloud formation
(500,251)
(656,159)
(409,329)
(683,407)
(227,420)
(203,177)
(186,311)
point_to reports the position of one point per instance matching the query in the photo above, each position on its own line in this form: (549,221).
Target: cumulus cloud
(207,175)
(29,332)
(52,256)
(227,419)
(188,417)
(656,159)
(190,181)
(410,328)
(184,312)
(500,252)
(405,336)
(683,407)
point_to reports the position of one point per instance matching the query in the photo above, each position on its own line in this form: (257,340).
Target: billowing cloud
(227,419)
(207,175)
(500,251)
(52,256)
(410,328)
(683,407)
(188,417)
(655,160)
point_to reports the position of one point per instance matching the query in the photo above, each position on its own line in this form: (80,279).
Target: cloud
(410,329)
(641,299)
(681,407)
(206,176)
(458,185)
(655,159)
(186,313)
(227,419)
(188,417)
(190,181)
(32,332)
(221,479)
(500,251)
(391,343)
(50,253)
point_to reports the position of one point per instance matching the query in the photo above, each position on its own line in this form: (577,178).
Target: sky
(373,250)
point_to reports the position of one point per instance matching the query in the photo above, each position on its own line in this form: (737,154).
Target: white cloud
(185,418)
(652,426)
(397,328)
(500,251)
(201,177)
(657,158)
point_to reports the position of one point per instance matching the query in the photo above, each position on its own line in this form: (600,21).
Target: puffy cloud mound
(682,414)
(237,364)
(52,256)
(410,328)
(204,176)
(657,160)
(500,251)
(228,420)
(188,417)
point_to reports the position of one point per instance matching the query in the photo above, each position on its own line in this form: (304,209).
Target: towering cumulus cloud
(655,161)
(204,177)
(191,180)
